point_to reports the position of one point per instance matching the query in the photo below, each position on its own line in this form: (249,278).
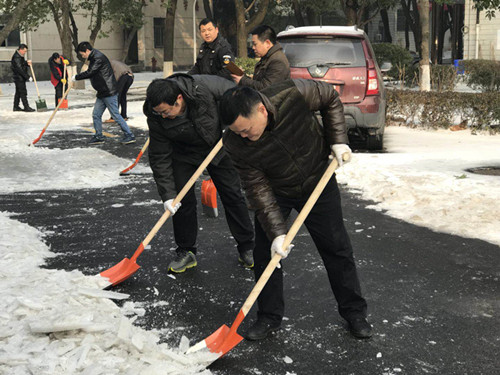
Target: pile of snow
(57,322)
(422,179)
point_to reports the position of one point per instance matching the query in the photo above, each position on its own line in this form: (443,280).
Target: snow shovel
(126,170)
(41,106)
(127,267)
(51,117)
(64,103)
(225,338)
(209,198)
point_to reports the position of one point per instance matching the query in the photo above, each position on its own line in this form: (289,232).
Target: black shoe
(261,329)
(95,140)
(360,328)
(246,258)
(183,261)
(17,109)
(128,139)
(28,109)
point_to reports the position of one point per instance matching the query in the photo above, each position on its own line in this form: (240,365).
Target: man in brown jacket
(281,152)
(273,66)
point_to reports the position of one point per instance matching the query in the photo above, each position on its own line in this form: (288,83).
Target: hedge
(441,110)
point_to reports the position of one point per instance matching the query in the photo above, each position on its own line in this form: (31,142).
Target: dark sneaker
(360,328)
(183,261)
(96,140)
(261,329)
(128,139)
(246,259)
(28,109)
(17,109)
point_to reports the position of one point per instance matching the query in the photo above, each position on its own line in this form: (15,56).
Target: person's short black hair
(238,101)
(83,47)
(22,46)
(55,55)
(264,33)
(162,90)
(206,21)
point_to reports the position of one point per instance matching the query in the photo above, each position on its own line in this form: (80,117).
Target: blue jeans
(111,103)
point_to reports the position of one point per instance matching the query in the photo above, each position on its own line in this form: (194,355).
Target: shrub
(396,55)
(443,77)
(246,64)
(483,75)
(439,110)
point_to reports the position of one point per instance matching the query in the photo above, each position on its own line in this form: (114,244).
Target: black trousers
(228,185)
(21,94)
(59,91)
(326,227)
(123,85)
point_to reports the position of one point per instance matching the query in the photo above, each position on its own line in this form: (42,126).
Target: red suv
(342,56)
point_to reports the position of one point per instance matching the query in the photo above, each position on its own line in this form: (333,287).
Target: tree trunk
(387,29)
(98,23)
(241,38)
(130,34)
(13,20)
(425,73)
(297,10)
(411,13)
(168,39)
(208,9)
(224,13)
(350,11)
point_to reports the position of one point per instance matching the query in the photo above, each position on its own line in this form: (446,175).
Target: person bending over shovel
(281,152)
(184,126)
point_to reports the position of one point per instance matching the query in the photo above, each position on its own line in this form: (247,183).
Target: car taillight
(372,87)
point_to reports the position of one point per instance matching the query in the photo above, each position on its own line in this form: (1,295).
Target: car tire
(375,142)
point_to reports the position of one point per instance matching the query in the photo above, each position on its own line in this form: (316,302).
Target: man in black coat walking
(184,126)
(103,81)
(213,51)
(20,75)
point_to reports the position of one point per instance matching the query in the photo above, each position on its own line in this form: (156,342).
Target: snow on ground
(89,334)
(421,179)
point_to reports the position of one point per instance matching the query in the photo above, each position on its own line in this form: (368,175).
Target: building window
(13,40)
(159,28)
(401,20)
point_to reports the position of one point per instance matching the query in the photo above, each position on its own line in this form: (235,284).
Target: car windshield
(306,51)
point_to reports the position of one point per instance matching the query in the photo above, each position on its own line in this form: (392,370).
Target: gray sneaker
(182,261)
(246,259)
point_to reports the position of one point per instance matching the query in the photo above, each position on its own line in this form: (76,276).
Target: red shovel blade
(219,342)
(121,271)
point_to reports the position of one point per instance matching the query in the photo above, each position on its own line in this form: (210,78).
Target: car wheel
(375,142)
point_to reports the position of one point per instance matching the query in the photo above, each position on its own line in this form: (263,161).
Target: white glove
(277,247)
(172,209)
(73,77)
(30,79)
(339,150)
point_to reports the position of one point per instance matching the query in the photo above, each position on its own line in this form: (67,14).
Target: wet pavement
(433,298)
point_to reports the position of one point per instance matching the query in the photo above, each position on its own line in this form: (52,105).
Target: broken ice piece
(287,359)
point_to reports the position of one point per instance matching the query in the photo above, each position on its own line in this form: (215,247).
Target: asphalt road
(433,298)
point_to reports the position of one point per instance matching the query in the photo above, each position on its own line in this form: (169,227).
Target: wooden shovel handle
(34,79)
(291,234)
(183,192)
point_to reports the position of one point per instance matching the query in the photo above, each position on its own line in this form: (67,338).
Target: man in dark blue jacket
(103,81)
(20,75)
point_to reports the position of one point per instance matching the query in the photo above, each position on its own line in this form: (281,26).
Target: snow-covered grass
(67,324)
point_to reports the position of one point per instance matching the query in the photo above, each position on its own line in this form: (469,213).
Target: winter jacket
(120,69)
(56,71)
(292,153)
(19,67)
(211,58)
(272,68)
(190,138)
(100,73)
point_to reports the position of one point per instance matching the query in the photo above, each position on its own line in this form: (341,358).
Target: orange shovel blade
(121,271)
(220,342)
